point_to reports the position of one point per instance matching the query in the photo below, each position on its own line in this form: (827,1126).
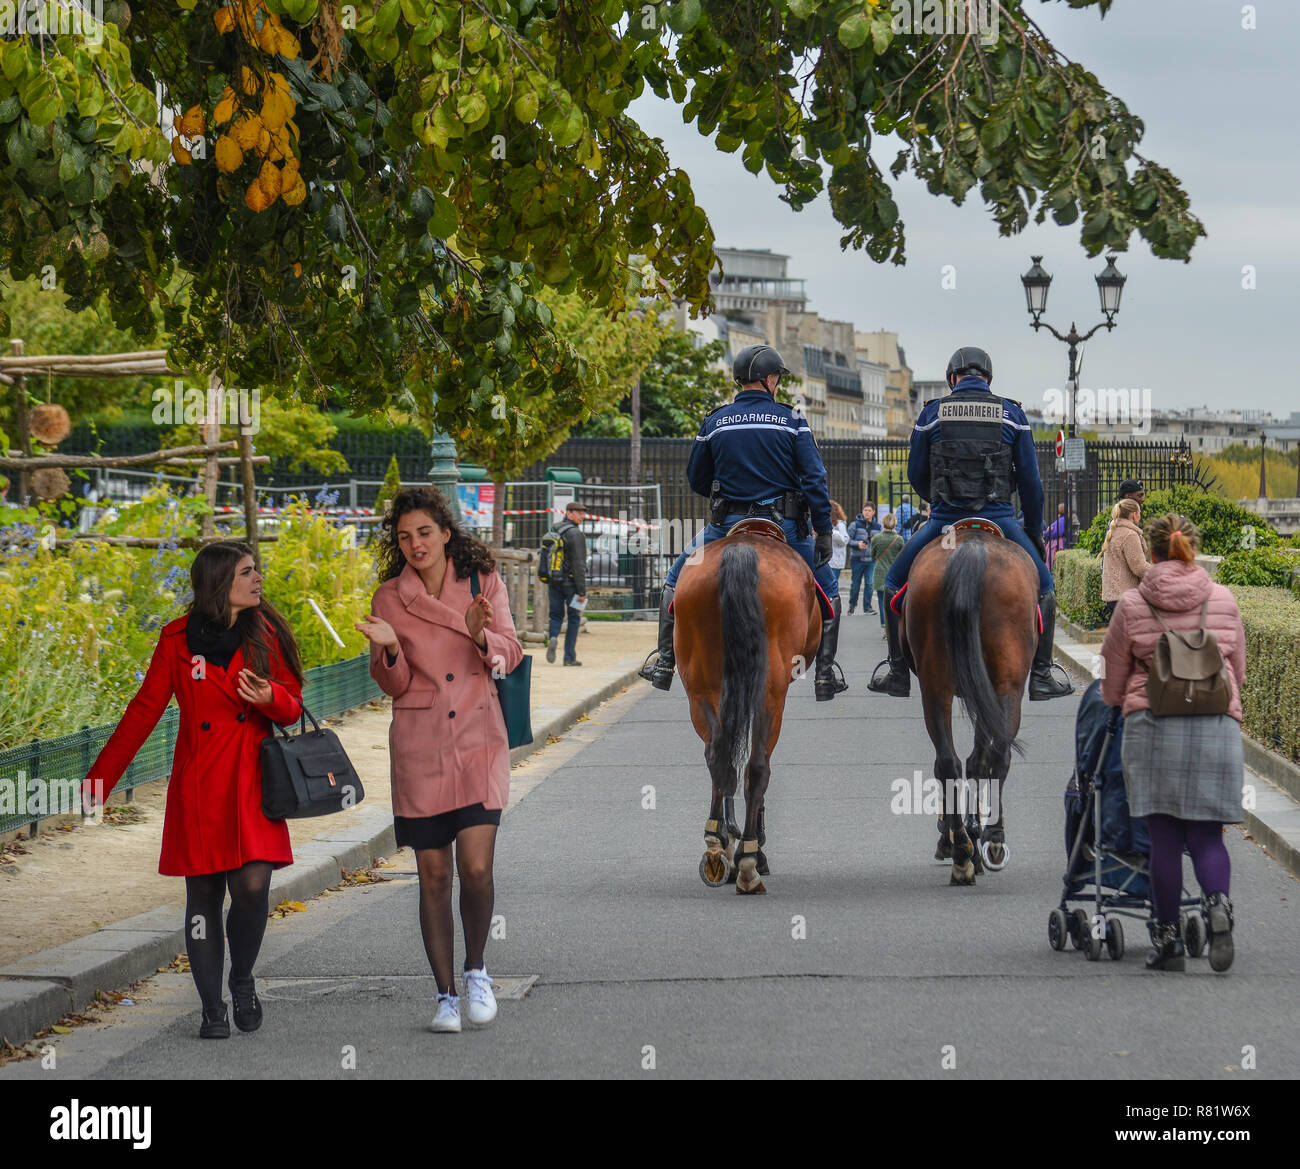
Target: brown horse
(759,594)
(969,629)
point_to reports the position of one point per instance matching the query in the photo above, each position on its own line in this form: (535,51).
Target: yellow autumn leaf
(224,19)
(61,1030)
(246,132)
(179,153)
(268,178)
(229,156)
(225,108)
(295,193)
(255,198)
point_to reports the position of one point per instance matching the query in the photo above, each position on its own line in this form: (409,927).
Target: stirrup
(1065,676)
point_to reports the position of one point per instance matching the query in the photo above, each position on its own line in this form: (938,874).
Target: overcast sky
(1220,105)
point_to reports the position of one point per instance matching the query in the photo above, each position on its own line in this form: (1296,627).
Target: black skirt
(439,831)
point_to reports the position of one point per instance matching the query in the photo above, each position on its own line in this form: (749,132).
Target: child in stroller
(1107,848)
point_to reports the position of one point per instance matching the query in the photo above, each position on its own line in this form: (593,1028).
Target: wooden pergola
(18,366)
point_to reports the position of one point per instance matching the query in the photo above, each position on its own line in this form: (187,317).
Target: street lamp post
(1110,286)
(443,474)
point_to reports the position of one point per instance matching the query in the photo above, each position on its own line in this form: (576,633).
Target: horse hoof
(747,880)
(962,874)
(716,868)
(943,850)
(763,870)
(995,854)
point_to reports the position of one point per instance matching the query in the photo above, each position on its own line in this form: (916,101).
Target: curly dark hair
(463,550)
(211,574)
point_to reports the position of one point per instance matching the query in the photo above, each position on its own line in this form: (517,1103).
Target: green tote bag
(513,691)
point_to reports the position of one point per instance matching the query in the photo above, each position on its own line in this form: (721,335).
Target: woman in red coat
(233,665)
(436,648)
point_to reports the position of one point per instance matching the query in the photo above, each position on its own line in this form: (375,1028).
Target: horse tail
(960,597)
(744,656)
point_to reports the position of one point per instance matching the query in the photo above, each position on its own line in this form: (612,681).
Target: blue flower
(139,677)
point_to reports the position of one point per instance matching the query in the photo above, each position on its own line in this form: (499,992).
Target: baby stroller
(1107,849)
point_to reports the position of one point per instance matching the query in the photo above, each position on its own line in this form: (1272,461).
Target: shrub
(392,485)
(1223,524)
(1078,587)
(1258,566)
(1270,698)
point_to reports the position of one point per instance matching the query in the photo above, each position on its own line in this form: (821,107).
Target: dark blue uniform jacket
(1015,431)
(757,448)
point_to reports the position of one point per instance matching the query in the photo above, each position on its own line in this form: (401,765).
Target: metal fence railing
(42,778)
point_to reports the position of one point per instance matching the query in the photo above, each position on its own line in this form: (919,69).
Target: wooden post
(211,433)
(23,422)
(498,513)
(250,494)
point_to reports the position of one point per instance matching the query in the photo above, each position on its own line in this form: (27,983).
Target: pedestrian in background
(570,586)
(839,541)
(1123,554)
(861,530)
(1182,772)
(903,517)
(234,667)
(885,547)
(1056,535)
(436,648)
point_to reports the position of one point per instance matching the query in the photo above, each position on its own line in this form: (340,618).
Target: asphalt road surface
(861,960)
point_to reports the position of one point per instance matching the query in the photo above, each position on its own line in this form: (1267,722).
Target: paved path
(601,900)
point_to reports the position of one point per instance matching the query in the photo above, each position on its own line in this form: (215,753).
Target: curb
(1274,822)
(37,990)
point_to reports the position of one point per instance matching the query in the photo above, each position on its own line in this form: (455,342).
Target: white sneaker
(482,1002)
(448,1016)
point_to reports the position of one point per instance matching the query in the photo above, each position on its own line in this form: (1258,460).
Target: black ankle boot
(659,666)
(1043,683)
(216,1023)
(1167,951)
(1218,915)
(248,1007)
(825,684)
(898,682)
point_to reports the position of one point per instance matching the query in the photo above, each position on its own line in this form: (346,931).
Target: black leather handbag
(307,774)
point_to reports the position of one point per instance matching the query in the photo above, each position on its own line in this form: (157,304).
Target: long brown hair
(211,575)
(1174,537)
(838,515)
(465,552)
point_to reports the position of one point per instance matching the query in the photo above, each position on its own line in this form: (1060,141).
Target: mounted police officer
(970,451)
(756,456)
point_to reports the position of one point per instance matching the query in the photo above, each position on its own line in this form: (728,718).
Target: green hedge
(1270,699)
(1260,566)
(1078,587)
(1221,522)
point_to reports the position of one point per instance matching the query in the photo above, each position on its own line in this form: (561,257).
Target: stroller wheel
(1114,939)
(1057,931)
(1079,928)
(1194,933)
(1092,943)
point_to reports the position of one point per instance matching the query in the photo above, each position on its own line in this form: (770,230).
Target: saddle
(978,524)
(758,526)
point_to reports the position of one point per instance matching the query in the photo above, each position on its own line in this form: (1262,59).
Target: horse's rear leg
(717,866)
(996,766)
(947,770)
(750,861)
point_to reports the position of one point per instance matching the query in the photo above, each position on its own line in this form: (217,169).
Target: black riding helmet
(755,362)
(969,359)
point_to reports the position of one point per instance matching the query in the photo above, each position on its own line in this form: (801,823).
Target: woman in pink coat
(437,650)
(1182,772)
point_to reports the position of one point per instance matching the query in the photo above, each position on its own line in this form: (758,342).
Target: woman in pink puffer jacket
(1183,773)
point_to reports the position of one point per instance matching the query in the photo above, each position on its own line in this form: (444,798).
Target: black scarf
(215,643)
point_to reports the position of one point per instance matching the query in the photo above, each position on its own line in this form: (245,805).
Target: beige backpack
(1187,673)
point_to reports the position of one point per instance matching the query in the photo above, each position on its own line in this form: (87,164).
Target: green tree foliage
(372,195)
(1236,472)
(286,430)
(1224,526)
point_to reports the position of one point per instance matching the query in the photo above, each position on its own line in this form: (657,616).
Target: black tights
(250,888)
(474,851)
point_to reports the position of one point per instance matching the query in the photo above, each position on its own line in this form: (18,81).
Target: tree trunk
(250,494)
(211,432)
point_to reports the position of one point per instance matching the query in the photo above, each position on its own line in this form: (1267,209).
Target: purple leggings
(1204,840)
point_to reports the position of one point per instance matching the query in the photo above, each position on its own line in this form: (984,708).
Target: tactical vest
(970,465)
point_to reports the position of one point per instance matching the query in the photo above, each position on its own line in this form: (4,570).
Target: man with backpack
(563,568)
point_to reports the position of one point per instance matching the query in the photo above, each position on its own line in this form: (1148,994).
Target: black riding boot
(898,682)
(1167,948)
(825,684)
(659,666)
(1043,683)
